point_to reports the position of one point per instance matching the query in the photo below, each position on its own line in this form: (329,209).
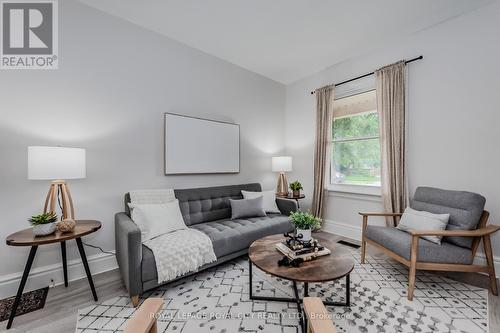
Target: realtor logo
(29,34)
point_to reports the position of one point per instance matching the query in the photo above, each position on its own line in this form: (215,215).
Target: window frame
(364,189)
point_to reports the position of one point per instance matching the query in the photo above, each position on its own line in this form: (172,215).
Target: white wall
(454,114)
(114,82)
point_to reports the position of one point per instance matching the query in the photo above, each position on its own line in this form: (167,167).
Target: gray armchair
(466,228)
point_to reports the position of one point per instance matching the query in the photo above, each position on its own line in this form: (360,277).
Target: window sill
(364,190)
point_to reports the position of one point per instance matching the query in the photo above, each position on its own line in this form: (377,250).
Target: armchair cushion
(465,209)
(399,242)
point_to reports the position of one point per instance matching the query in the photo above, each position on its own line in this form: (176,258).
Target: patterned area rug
(217,300)
(30,301)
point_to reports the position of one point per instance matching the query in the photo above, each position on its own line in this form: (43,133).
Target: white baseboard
(342,229)
(354,232)
(52,275)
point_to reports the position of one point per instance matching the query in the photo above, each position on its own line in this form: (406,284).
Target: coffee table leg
(299,308)
(86,266)
(348,290)
(306,289)
(250,278)
(65,265)
(347,294)
(22,284)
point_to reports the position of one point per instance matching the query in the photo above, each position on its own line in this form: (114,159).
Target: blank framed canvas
(196,146)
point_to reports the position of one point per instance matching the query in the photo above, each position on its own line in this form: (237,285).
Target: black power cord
(86,244)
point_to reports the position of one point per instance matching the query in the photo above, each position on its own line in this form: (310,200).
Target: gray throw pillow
(247,208)
(419,220)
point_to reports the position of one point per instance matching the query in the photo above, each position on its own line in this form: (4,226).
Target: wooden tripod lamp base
(282,164)
(282,185)
(59,187)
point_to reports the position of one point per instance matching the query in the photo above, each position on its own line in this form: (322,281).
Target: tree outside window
(355,141)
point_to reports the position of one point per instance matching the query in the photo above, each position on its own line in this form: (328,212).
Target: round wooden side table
(27,238)
(290,196)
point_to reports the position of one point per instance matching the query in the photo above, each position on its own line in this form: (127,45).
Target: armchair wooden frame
(482,232)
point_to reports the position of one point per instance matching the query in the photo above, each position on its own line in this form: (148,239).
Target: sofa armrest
(287,206)
(129,252)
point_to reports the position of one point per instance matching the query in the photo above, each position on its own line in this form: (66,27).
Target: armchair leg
(413,267)
(491,265)
(135,300)
(363,251)
(363,242)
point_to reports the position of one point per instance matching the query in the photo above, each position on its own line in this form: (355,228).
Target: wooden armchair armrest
(387,214)
(319,320)
(144,319)
(380,214)
(460,233)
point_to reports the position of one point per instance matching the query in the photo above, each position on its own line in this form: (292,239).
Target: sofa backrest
(465,209)
(206,204)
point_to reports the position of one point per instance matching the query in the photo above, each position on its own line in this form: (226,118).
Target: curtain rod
(368,74)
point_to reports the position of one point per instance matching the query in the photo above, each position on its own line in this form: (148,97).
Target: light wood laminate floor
(61,307)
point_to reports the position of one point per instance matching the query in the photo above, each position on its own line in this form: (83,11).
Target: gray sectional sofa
(205,209)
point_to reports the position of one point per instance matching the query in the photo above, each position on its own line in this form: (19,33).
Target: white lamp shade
(56,163)
(282,163)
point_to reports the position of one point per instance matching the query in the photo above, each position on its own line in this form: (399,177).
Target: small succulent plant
(44,218)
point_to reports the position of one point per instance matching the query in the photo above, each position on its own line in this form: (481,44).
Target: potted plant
(296,186)
(43,224)
(304,223)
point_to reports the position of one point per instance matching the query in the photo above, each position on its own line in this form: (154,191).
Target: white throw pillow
(269,200)
(157,219)
(419,220)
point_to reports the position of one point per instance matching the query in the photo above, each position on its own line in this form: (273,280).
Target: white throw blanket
(180,252)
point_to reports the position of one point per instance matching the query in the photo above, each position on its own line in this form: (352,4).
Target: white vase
(306,234)
(44,229)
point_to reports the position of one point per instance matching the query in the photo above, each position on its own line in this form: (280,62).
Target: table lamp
(282,164)
(57,164)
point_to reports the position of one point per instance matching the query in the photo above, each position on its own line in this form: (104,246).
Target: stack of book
(306,253)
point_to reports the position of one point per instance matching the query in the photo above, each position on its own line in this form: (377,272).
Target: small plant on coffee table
(304,223)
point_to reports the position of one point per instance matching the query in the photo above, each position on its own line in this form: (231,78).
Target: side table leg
(65,265)
(22,284)
(86,266)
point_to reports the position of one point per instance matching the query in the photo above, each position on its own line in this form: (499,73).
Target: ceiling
(286,40)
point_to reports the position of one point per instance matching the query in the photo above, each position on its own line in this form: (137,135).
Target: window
(355,142)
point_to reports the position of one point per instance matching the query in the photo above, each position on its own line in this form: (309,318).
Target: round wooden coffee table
(336,265)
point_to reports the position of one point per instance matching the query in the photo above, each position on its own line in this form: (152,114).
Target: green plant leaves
(296,186)
(305,220)
(44,218)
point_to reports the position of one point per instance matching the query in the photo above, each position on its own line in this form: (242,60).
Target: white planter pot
(306,234)
(44,229)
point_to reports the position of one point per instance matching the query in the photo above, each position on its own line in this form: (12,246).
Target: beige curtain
(324,114)
(391,100)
